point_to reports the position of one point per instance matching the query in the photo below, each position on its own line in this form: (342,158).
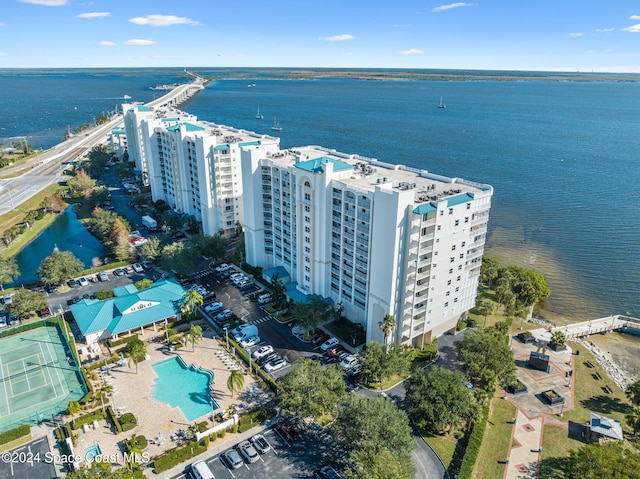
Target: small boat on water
(441,104)
(276,125)
(259,116)
(126,97)
(164,87)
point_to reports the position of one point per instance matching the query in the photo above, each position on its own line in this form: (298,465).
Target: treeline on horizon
(380,74)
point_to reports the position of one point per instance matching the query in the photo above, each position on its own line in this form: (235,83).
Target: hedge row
(117,342)
(473,445)
(88,418)
(127,421)
(29,327)
(16,433)
(111,415)
(254,366)
(177,456)
(255,417)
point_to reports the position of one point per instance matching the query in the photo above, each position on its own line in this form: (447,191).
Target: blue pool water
(90,453)
(182,386)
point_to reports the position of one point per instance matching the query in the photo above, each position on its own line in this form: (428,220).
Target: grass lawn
(15,216)
(496,440)
(444,446)
(556,445)
(589,392)
(347,331)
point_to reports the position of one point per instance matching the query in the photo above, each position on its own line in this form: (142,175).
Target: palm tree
(136,351)
(104,391)
(190,300)
(387,325)
(486,308)
(235,383)
(195,335)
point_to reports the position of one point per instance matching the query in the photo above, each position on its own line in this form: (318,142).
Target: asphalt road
(33,460)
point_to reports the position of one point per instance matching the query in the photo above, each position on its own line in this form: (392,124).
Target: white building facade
(193,166)
(376,238)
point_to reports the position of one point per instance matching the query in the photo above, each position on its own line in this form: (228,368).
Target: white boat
(259,116)
(276,125)
(126,97)
(441,104)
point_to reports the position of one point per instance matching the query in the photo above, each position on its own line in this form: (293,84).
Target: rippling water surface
(563,157)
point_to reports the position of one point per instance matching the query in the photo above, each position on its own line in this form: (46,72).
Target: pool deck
(132,393)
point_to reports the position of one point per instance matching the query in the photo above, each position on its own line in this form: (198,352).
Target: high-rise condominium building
(193,166)
(376,238)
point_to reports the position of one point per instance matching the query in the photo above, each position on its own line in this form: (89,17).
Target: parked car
(214,307)
(73,283)
(128,270)
(248,452)
(329,343)
(328,472)
(275,365)
(51,288)
(268,358)
(233,459)
(102,276)
(261,443)
(262,352)
(83,281)
(354,370)
(223,267)
(118,272)
(287,430)
(226,314)
(318,339)
(137,267)
(250,341)
(264,298)
(348,362)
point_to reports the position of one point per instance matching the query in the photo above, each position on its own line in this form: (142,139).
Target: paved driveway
(33,461)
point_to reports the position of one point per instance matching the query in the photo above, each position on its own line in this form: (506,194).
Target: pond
(66,233)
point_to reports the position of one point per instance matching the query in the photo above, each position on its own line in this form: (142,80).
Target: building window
(307,209)
(466,219)
(458,278)
(439,227)
(447,293)
(449,283)
(307,269)
(461,255)
(307,229)
(459,267)
(468,206)
(451,271)
(452,259)
(450,211)
(441,212)
(307,196)
(446,305)
(307,249)
(453,248)
(457,223)
(307,279)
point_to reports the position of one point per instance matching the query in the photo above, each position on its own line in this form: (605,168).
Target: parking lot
(285,461)
(33,460)
(270,331)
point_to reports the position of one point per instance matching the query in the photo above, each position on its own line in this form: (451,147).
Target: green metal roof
(315,166)
(171,119)
(459,199)
(425,208)
(249,143)
(222,146)
(144,108)
(118,131)
(129,310)
(187,126)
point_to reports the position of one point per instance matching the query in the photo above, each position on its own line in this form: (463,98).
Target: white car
(137,267)
(348,362)
(329,343)
(250,341)
(223,267)
(214,307)
(274,365)
(83,281)
(262,351)
(261,443)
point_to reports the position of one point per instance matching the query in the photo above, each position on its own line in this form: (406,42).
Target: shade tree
(59,266)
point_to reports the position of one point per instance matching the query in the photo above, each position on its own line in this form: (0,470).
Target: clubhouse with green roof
(129,311)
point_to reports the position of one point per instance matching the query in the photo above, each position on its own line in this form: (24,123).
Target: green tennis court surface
(38,377)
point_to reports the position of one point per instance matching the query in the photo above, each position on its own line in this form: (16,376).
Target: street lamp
(226,334)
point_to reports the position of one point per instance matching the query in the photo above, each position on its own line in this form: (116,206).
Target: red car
(318,339)
(287,430)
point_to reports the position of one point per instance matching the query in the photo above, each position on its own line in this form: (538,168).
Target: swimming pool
(182,386)
(90,453)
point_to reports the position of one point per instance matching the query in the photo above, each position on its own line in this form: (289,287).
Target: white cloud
(106,44)
(632,28)
(635,17)
(94,15)
(162,20)
(1,25)
(600,30)
(442,8)
(338,38)
(575,34)
(140,41)
(411,51)
(46,3)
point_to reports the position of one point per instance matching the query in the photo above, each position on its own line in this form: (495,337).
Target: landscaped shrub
(222,433)
(473,445)
(16,433)
(202,426)
(254,418)
(111,415)
(127,421)
(175,457)
(136,442)
(117,342)
(461,325)
(88,418)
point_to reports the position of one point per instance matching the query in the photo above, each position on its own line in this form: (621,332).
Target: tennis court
(38,377)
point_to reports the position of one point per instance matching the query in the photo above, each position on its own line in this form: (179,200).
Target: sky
(537,35)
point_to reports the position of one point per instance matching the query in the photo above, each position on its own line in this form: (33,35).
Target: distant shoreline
(373,74)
